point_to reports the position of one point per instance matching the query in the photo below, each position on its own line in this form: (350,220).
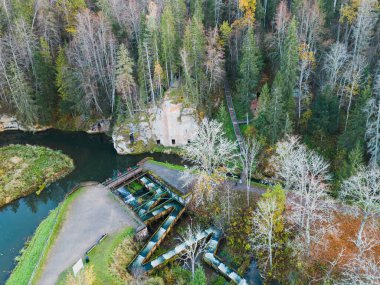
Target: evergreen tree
(250,67)
(199,277)
(373,123)
(193,56)
(356,126)
(289,66)
(22,96)
(324,119)
(69,10)
(46,99)
(169,48)
(272,121)
(125,83)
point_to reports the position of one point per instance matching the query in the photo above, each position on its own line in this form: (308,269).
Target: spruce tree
(169,49)
(46,99)
(249,69)
(289,66)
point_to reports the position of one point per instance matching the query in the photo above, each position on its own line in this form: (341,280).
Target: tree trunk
(361,229)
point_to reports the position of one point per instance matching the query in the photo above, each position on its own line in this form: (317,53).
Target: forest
(303,74)
(312,65)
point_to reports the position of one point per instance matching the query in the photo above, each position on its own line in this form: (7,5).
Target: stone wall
(169,125)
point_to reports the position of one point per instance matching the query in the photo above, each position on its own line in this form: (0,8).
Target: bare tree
(282,19)
(335,61)
(264,222)
(93,53)
(361,270)
(306,63)
(363,30)
(212,156)
(195,245)
(214,60)
(210,149)
(248,157)
(362,190)
(305,173)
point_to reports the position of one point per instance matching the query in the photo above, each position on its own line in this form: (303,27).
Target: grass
(37,246)
(101,257)
(25,169)
(168,165)
(134,187)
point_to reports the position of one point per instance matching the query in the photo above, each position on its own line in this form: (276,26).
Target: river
(95,160)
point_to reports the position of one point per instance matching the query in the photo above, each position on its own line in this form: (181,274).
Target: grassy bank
(104,259)
(40,244)
(25,169)
(168,165)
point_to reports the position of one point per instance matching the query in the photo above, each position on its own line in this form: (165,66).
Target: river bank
(25,169)
(95,159)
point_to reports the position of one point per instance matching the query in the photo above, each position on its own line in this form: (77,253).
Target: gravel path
(93,213)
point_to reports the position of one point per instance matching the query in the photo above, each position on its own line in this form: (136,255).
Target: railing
(235,123)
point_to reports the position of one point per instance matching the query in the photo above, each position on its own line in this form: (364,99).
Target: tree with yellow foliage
(70,10)
(248,7)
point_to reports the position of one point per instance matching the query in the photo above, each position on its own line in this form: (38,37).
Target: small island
(25,169)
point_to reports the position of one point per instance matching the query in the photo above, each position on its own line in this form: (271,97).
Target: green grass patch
(33,249)
(134,187)
(101,258)
(168,165)
(25,169)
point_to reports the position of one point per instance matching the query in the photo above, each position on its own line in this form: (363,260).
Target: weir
(153,202)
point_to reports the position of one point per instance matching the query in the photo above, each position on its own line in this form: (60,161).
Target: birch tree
(194,246)
(305,173)
(249,161)
(362,190)
(268,222)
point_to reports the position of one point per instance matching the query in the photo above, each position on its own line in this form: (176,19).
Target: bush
(199,277)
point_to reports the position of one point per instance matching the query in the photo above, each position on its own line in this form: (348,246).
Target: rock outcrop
(170,124)
(9,123)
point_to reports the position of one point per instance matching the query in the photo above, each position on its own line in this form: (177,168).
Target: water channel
(95,160)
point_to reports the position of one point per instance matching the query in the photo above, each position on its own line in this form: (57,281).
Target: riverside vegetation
(25,169)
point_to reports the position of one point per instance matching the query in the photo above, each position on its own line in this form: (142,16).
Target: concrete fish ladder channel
(162,201)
